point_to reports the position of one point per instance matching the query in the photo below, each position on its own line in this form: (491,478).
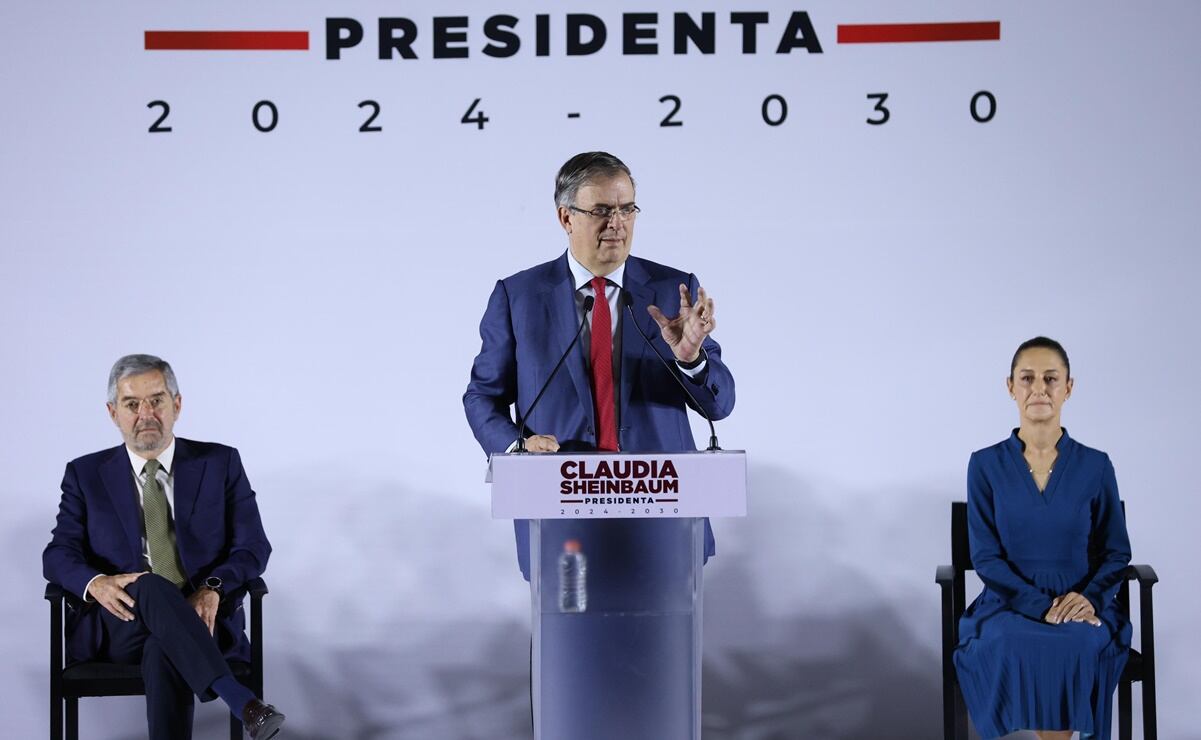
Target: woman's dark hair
(1041,343)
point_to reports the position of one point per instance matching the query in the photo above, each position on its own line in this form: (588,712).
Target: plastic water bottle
(573,578)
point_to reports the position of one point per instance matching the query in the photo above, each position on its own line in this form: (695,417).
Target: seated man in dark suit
(152,535)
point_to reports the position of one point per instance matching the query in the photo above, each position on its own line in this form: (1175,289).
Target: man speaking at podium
(613,393)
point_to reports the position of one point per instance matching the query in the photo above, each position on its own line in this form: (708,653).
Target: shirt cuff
(692,372)
(87,595)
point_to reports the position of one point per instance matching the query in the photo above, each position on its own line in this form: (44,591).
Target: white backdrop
(318,291)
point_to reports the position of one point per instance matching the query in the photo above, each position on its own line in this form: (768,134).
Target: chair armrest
(1147,578)
(1145,575)
(944,576)
(254,588)
(56,594)
(257,588)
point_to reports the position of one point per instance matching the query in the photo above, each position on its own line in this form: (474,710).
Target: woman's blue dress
(1017,671)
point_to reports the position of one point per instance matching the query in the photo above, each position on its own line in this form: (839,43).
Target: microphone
(628,299)
(588,303)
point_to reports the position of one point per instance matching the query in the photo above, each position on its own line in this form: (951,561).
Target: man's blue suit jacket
(99,532)
(531,319)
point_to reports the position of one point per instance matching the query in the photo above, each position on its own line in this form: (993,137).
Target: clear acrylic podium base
(629,666)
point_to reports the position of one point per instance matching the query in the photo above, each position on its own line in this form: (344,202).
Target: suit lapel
(187,474)
(563,308)
(632,344)
(117,477)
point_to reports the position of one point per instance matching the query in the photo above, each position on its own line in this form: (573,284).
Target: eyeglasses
(623,213)
(155,402)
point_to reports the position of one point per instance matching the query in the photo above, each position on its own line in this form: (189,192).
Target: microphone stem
(589,301)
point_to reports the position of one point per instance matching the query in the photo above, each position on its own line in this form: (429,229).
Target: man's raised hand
(687,331)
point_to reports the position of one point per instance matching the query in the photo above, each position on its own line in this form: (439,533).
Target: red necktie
(602,369)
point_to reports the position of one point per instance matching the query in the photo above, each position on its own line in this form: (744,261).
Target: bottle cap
(571,546)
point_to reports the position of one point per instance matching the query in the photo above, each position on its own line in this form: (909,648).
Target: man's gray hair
(136,365)
(583,169)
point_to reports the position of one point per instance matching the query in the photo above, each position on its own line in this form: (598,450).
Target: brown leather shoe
(261,720)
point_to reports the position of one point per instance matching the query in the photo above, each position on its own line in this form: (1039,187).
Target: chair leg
(1149,725)
(1125,720)
(235,728)
(960,715)
(72,718)
(56,717)
(948,713)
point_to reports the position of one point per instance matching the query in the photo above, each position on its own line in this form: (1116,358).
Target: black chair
(95,678)
(1139,667)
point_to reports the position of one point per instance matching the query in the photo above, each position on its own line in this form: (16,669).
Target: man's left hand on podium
(541,443)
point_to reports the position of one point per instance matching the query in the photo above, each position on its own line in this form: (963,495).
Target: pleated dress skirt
(1019,673)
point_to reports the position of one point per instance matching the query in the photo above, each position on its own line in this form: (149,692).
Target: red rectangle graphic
(227,40)
(901,33)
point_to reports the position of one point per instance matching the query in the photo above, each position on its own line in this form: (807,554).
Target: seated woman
(1043,645)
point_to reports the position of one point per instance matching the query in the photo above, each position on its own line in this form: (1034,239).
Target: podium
(629,665)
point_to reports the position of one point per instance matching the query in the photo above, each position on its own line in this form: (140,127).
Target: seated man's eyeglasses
(624,213)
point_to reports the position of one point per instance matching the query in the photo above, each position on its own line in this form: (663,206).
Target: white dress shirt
(582,278)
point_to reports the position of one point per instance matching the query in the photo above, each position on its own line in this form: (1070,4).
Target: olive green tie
(164,559)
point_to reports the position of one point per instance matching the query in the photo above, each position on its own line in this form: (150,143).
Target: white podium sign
(608,485)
